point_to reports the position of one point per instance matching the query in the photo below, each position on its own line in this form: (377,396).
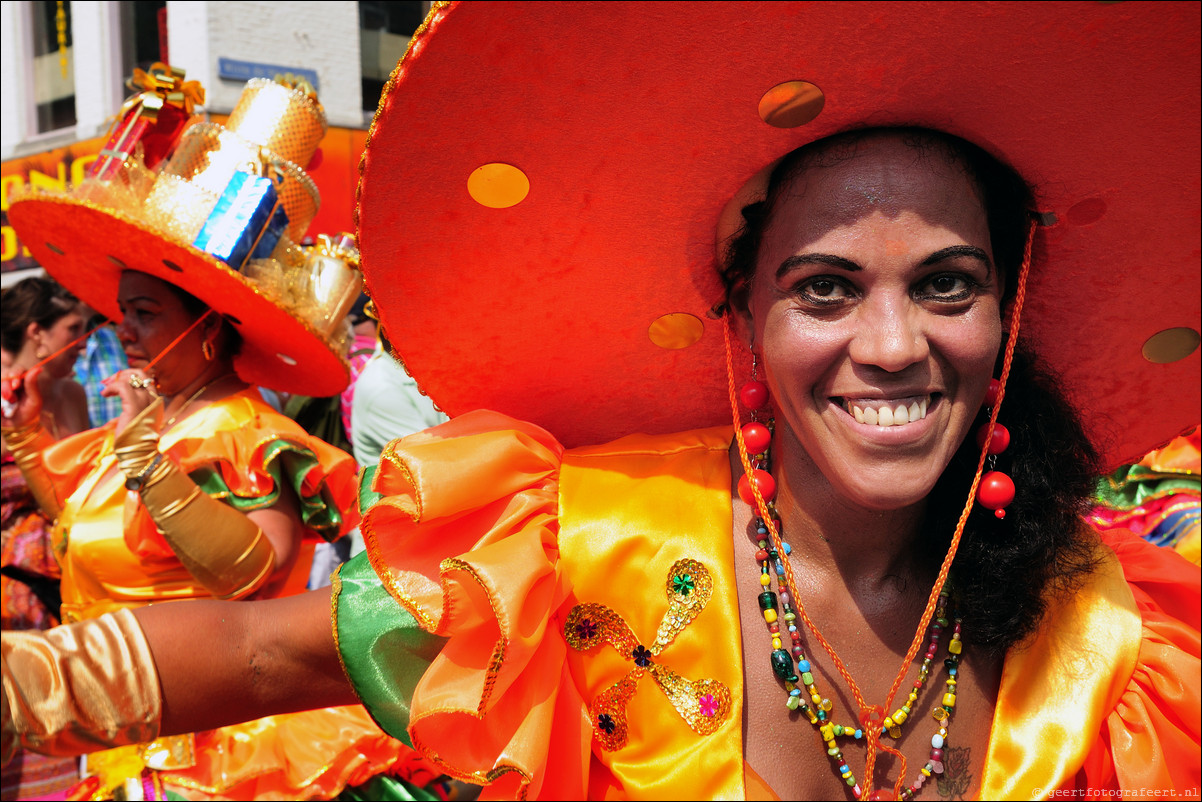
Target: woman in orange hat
(199,489)
(836,550)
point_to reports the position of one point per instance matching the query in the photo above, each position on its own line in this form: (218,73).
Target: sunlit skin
(876,282)
(63,333)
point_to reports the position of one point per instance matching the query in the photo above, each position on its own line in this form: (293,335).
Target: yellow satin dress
(488,533)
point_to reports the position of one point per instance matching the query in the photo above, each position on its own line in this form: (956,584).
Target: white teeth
(890,416)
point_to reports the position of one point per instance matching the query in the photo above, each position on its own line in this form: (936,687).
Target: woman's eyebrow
(816,259)
(971,251)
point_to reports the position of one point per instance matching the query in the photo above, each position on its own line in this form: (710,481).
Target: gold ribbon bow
(162,85)
(341,247)
(704,704)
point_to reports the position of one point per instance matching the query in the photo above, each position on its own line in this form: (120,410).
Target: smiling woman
(597,580)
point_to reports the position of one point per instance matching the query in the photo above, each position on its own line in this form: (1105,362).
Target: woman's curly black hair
(1007,570)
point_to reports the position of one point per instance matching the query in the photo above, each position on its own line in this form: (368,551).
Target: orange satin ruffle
(309,755)
(1151,738)
(497,705)
(1105,696)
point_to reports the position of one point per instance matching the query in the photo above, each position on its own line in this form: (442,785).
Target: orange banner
(336,176)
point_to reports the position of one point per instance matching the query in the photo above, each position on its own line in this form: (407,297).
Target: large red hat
(543,183)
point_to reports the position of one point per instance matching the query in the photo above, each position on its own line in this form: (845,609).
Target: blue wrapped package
(246,223)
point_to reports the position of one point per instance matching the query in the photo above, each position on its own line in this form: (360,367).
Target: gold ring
(139,382)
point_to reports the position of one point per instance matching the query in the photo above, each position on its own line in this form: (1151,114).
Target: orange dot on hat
(1171,345)
(497,185)
(676,330)
(791,104)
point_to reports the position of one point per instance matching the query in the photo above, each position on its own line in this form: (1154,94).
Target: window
(53,65)
(384,31)
(143,36)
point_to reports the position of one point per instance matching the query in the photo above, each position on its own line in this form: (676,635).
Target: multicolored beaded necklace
(818,710)
(757,483)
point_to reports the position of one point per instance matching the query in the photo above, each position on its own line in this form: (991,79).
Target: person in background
(388,405)
(100,358)
(39,319)
(338,430)
(198,489)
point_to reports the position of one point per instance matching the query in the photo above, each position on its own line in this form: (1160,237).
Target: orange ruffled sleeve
(1151,739)
(464,537)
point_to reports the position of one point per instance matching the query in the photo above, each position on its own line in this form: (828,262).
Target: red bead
(1000,440)
(995,389)
(797,652)
(882,793)
(763,480)
(996,492)
(757,438)
(754,394)
(774,628)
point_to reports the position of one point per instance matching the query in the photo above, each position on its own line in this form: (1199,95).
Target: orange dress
(538,569)
(237,449)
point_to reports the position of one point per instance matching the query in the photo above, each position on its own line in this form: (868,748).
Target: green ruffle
(367,496)
(281,458)
(387,789)
(383,650)
(1133,485)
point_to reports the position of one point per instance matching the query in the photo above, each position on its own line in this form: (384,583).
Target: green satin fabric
(383,650)
(285,461)
(386,789)
(1135,485)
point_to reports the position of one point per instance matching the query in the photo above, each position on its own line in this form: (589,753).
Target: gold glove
(78,688)
(222,548)
(26,445)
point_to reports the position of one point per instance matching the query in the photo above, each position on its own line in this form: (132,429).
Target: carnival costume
(575,602)
(218,218)
(497,565)
(579,655)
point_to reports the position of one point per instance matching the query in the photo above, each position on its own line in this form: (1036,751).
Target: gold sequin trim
(704,704)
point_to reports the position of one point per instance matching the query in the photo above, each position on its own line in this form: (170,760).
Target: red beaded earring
(996,490)
(757,438)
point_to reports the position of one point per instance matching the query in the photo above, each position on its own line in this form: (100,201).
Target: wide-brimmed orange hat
(543,184)
(149,221)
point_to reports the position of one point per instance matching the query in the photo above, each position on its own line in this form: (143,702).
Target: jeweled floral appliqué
(703,704)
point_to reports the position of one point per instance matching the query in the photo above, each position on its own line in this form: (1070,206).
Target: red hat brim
(636,123)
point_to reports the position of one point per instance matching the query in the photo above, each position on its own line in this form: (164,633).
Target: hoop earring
(206,348)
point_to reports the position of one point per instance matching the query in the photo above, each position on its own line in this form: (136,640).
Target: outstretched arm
(97,683)
(224,662)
